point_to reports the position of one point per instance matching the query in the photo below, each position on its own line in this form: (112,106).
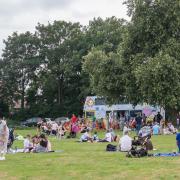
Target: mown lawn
(90,161)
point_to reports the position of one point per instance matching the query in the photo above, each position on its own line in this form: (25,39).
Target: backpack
(137,153)
(111,147)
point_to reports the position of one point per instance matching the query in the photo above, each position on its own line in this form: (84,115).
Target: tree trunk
(60,90)
(22,94)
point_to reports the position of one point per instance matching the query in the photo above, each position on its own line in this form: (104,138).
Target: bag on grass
(111,147)
(137,153)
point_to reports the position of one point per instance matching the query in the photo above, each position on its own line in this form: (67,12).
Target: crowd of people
(88,131)
(36,144)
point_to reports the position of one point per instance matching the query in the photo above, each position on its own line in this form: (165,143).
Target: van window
(134,113)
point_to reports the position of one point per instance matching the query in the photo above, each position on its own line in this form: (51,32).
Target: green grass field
(90,161)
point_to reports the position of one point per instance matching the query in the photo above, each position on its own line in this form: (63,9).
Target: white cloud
(23,15)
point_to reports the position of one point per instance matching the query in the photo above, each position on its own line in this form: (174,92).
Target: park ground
(90,161)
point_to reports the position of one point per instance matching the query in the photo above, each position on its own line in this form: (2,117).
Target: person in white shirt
(60,132)
(126,128)
(54,128)
(86,137)
(172,129)
(108,137)
(4,135)
(125,142)
(28,146)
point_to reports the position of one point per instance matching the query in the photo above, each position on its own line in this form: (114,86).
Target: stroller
(141,143)
(10,139)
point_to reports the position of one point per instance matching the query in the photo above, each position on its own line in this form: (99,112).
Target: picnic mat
(171,154)
(22,151)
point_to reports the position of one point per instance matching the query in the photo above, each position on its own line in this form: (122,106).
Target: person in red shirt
(73,119)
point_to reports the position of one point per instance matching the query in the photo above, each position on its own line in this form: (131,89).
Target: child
(86,137)
(60,132)
(95,137)
(28,146)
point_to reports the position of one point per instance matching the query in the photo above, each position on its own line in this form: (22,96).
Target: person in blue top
(178,141)
(156,129)
(95,137)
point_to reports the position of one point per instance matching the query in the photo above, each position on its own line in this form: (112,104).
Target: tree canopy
(57,66)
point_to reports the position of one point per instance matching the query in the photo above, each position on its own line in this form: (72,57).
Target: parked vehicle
(47,119)
(31,122)
(61,119)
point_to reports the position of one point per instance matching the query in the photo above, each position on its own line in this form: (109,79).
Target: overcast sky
(23,15)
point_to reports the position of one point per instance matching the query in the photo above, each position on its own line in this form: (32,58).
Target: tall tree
(106,75)
(19,63)
(60,77)
(105,34)
(101,62)
(148,51)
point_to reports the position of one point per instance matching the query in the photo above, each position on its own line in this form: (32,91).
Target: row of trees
(55,68)
(44,69)
(145,67)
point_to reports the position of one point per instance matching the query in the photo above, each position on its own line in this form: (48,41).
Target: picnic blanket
(14,151)
(171,154)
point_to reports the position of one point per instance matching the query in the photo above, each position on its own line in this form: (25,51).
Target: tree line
(53,69)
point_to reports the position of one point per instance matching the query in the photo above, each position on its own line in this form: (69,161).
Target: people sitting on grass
(145,131)
(172,129)
(86,137)
(125,142)
(46,128)
(156,129)
(126,128)
(83,127)
(169,129)
(108,137)
(35,141)
(28,145)
(37,144)
(43,145)
(95,137)
(113,134)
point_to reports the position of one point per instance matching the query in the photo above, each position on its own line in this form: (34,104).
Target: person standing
(138,123)
(159,117)
(4,135)
(122,121)
(93,122)
(178,141)
(144,118)
(73,119)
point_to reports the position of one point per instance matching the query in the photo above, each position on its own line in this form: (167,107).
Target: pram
(10,139)
(141,143)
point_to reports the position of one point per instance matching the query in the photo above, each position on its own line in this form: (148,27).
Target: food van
(96,107)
